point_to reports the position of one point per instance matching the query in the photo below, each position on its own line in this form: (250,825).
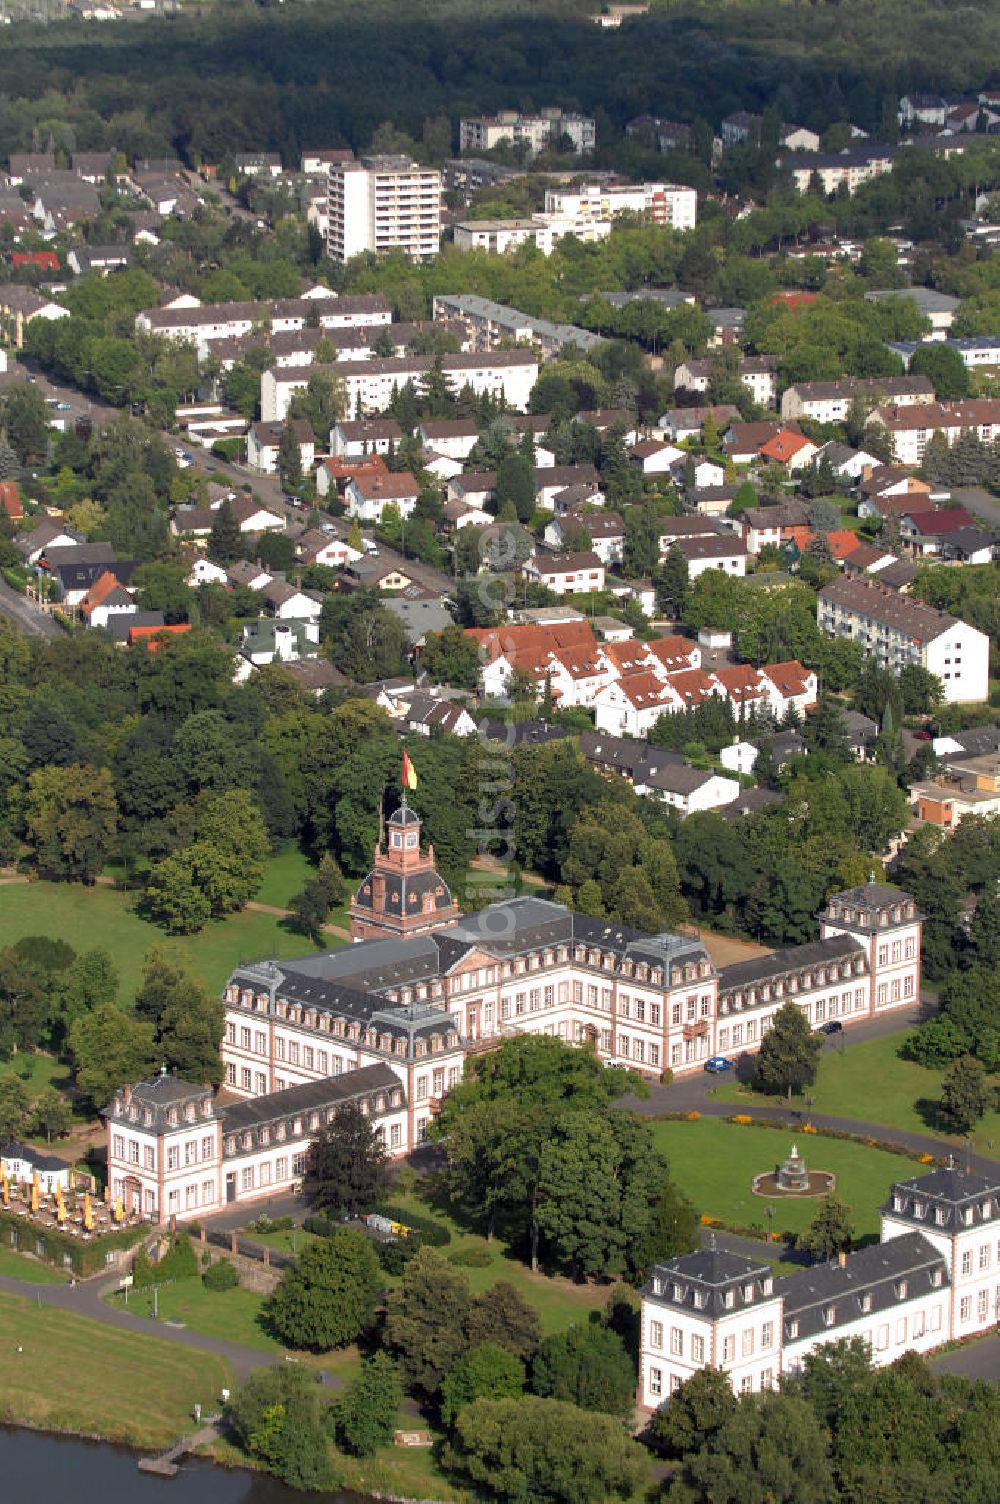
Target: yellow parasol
(88,1215)
(34,1192)
(60,1204)
(107,1194)
(119,1209)
(4,1189)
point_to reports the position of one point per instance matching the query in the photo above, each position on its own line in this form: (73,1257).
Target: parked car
(716,1064)
(832,1026)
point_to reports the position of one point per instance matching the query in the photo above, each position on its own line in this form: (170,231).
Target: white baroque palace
(390,1021)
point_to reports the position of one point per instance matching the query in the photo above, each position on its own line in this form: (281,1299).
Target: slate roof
(158,1096)
(702,1280)
(867,598)
(310,1096)
(828,1296)
(789,962)
(14,1149)
(521,733)
(948,1200)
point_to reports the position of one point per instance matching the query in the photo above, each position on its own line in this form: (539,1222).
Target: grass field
(287,874)
(714,1163)
(17,1266)
(870,1082)
(64,1372)
(86,917)
(36,1071)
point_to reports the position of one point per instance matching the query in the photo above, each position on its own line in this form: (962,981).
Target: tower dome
(403,894)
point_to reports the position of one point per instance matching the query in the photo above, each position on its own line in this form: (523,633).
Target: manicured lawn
(287,874)
(233,1315)
(65,1372)
(18,1266)
(869,1082)
(86,917)
(36,1071)
(714,1163)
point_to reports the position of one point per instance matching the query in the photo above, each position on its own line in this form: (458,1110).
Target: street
(26,615)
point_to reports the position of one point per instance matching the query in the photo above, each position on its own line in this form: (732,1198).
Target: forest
(328,75)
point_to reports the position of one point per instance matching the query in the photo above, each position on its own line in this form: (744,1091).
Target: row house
(200,324)
(567,573)
(911,429)
(370,385)
(848,169)
(830,401)
(488,324)
(933,1278)
(755,372)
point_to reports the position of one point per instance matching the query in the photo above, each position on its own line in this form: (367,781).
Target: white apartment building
(202,324)
(847,169)
(933,1278)
(830,401)
(911,428)
(382,204)
(498,236)
(370,384)
(664,203)
(898,631)
(487,323)
(538,132)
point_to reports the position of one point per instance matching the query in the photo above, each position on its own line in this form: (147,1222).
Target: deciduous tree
(328,1298)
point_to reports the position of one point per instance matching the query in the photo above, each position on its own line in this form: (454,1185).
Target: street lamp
(769,1213)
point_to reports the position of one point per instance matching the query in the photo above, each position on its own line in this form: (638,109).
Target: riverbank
(77,1376)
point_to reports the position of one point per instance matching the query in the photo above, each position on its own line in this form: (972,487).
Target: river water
(36,1468)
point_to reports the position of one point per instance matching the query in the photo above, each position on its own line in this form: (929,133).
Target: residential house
(790,687)
(606,531)
(106,597)
(889,488)
(288,603)
(204,572)
(264,442)
(712,501)
(424,713)
(355,439)
(740,128)
(367,495)
(847,464)
(268,640)
(332,475)
(19,305)
(969,545)
(326,545)
(254,517)
(689,790)
(656,456)
(422,614)
(756,373)
(316,676)
(47,533)
(896,632)
(567,573)
(792,450)
(248,575)
(744,441)
(453,437)
(762,525)
(862,734)
(725,551)
(922,531)
(701,473)
(682,424)
(550,480)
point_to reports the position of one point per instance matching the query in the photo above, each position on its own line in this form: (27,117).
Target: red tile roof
(152,636)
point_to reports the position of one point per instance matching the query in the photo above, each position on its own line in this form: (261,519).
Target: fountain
(792,1173)
(791,1178)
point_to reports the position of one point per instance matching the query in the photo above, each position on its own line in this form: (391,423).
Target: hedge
(220,1276)
(61,1250)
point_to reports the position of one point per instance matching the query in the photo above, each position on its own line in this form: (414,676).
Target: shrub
(472,1258)
(395,1256)
(320,1227)
(666,1077)
(220,1276)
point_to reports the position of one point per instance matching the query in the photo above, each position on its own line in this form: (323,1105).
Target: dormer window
(866,1300)
(939,1216)
(901,1289)
(657,1286)
(897,1203)
(171,1117)
(767,1286)
(918,1208)
(793,1328)
(699,1300)
(967,1215)
(829,1315)
(748,1293)
(677,1292)
(730,1299)
(937,1278)
(987,1210)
